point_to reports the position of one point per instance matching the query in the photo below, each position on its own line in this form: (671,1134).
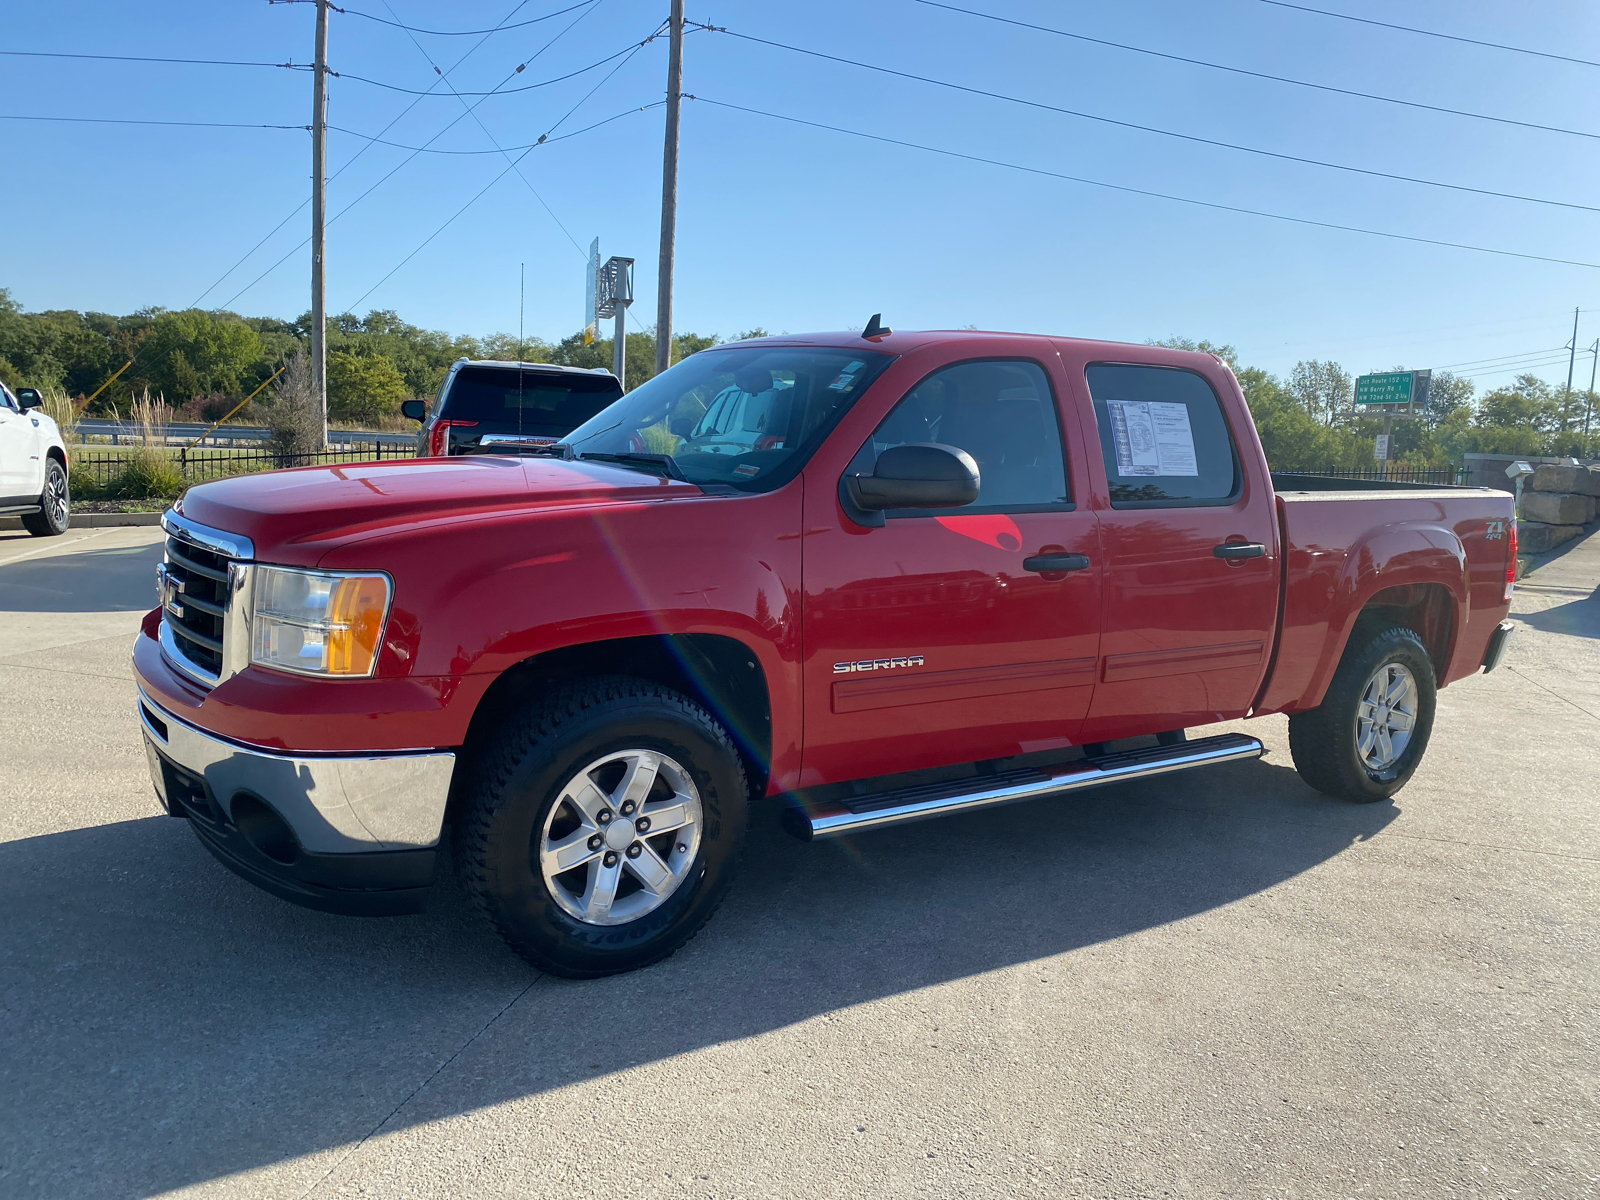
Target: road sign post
(613,295)
(1394,394)
(591,294)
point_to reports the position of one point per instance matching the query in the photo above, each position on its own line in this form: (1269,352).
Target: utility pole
(669,192)
(1573,356)
(319,215)
(1588,401)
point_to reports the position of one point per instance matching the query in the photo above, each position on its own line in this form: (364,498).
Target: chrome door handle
(1232,550)
(1056,562)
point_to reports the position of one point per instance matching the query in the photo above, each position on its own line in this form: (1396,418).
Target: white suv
(33,464)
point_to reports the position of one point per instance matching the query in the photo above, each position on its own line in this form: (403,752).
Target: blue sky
(796,228)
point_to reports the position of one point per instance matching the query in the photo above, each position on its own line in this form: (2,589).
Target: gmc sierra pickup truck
(872,578)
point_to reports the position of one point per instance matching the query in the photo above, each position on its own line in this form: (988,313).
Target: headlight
(318,622)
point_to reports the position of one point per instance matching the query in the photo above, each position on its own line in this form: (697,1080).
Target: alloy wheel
(1386,716)
(55,495)
(620,838)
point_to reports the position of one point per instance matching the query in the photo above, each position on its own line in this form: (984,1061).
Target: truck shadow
(169,1024)
(1576,618)
(114,579)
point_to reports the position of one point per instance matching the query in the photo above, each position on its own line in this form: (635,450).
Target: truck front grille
(198,579)
(197,603)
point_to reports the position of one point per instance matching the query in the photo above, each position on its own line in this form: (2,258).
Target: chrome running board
(940,799)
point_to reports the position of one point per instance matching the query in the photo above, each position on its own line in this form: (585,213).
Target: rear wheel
(605,826)
(1369,733)
(55,503)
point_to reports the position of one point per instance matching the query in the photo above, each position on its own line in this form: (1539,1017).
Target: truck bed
(1336,557)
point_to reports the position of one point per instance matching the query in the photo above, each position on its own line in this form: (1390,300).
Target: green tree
(363,387)
(194,353)
(1322,388)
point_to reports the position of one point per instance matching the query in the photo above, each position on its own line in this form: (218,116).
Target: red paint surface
(499,560)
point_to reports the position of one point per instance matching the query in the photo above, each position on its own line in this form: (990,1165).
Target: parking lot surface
(1215,984)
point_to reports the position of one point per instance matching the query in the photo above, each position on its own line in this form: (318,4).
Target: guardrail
(187,431)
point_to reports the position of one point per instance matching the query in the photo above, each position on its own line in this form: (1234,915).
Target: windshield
(534,401)
(745,416)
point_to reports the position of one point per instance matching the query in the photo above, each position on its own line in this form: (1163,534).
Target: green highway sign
(1391,387)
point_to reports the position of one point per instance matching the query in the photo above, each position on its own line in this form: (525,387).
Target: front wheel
(605,826)
(55,503)
(1365,739)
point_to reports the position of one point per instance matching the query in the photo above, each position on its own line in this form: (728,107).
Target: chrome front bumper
(334,805)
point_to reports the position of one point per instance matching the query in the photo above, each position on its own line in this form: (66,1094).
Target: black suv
(499,407)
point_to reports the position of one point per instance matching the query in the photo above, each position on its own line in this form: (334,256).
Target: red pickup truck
(872,578)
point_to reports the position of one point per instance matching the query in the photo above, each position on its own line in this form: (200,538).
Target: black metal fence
(199,465)
(1398,473)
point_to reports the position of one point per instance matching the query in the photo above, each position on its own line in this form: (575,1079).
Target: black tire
(55,503)
(1324,741)
(533,755)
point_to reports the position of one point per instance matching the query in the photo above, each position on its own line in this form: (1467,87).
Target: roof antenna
(875,329)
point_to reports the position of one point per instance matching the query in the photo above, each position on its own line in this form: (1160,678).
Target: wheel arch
(1427,609)
(1414,574)
(716,670)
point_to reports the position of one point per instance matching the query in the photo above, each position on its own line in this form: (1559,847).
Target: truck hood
(307,510)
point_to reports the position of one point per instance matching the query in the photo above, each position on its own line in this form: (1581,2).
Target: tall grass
(148,471)
(61,409)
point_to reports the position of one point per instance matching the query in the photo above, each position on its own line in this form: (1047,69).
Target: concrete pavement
(1218,984)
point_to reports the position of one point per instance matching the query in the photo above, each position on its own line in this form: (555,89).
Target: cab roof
(907,341)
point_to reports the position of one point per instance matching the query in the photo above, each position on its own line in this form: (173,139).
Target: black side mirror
(916,475)
(417,410)
(681,426)
(29,398)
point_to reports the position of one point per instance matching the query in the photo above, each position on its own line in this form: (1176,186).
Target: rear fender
(1395,556)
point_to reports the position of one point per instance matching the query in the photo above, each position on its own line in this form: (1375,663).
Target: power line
(350,12)
(193,62)
(521,4)
(1502,358)
(1321,87)
(379,141)
(1187,137)
(471,111)
(486,187)
(1449,37)
(132,121)
(1117,187)
(592,4)
(1527,369)
(393,87)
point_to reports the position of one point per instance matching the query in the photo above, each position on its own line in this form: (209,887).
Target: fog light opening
(264,829)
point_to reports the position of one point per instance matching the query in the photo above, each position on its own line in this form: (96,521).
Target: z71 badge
(1494,531)
(877,664)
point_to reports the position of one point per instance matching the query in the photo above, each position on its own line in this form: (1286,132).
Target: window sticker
(846,377)
(1152,438)
(748,470)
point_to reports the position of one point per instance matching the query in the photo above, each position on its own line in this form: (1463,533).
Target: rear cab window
(537,402)
(1164,437)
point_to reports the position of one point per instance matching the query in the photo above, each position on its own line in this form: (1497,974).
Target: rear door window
(533,401)
(1165,440)
(1000,411)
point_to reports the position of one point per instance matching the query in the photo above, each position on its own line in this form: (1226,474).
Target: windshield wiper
(668,464)
(554,449)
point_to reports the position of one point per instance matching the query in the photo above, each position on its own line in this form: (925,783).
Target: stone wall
(1557,502)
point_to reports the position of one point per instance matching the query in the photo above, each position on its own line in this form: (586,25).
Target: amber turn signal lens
(355,614)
